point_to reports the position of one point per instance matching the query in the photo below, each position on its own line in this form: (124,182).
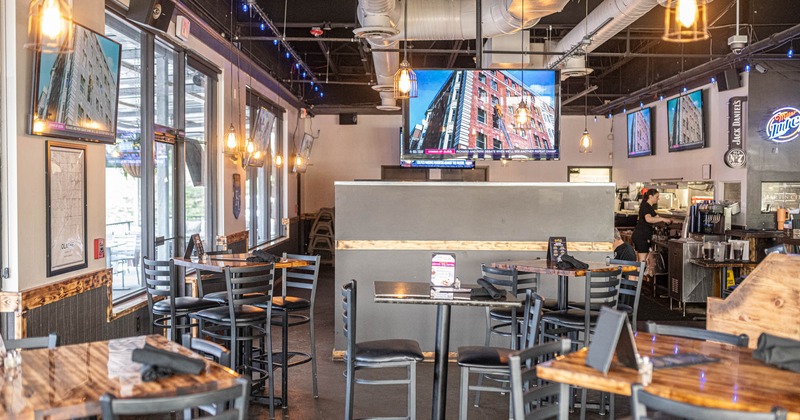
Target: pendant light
(405,79)
(50,26)
(232,142)
(685,20)
(522,114)
(585,143)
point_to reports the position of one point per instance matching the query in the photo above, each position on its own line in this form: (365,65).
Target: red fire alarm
(99,248)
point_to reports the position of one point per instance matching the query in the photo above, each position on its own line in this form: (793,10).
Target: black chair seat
(387,351)
(244,313)
(183,304)
(290,303)
(222,297)
(625,308)
(570,317)
(481,356)
(504,314)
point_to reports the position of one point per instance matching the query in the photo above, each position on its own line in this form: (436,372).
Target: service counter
(386,231)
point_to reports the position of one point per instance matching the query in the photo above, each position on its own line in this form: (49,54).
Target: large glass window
(197,116)
(263,189)
(164,106)
(123,166)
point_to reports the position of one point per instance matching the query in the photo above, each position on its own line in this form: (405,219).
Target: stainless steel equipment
(688,283)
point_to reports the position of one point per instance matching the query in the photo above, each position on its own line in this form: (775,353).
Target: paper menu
(443,269)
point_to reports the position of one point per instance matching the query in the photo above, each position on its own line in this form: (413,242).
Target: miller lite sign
(784,125)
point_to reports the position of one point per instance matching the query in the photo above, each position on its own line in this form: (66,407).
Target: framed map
(66,208)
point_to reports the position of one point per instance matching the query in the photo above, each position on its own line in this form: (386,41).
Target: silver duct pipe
(381,23)
(622,12)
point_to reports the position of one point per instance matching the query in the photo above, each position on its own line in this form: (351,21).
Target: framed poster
(65,181)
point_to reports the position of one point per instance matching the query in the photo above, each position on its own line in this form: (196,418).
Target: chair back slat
(642,400)
(510,279)
(532,318)
(160,279)
(304,277)
(528,393)
(349,296)
(47,342)
(249,285)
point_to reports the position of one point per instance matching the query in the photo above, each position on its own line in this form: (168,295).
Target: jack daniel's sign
(736,157)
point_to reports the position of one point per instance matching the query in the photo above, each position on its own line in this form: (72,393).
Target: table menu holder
(443,275)
(556,247)
(612,335)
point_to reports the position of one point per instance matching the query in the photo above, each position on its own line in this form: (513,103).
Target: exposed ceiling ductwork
(438,20)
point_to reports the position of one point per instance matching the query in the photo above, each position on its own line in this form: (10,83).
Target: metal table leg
(442,352)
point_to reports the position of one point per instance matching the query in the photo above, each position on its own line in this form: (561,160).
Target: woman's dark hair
(649,193)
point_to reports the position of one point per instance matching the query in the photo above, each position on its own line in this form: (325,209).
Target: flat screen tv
(685,122)
(75,94)
(640,133)
(463,115)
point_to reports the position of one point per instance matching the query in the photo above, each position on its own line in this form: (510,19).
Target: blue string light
(660,97)
(713,79)
(790,53)
(287,54)
(304,74)
(297,65)
(244,7)
(641,104)
(624,110)
(610,115)
(322,94)
(747,68)
(684,89)
(274,42)
(316,88)
(312,84)
(262,26)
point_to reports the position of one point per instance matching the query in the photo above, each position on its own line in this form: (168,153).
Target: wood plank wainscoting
(78,309)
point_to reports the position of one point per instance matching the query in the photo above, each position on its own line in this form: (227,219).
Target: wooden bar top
(546,267)
(68,381)
(736,382)
(217,263)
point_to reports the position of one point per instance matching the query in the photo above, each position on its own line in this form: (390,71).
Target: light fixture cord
(405,30)
(586,64)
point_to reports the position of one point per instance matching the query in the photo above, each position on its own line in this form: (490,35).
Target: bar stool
(528,392)
(630,289)
(291,311)
(241,322)
(493,361)
(171,312)
(376,354)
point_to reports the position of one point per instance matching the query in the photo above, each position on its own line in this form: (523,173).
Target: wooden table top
(68,381)
(546,267)
(217,263)
(737,382)
(419,293)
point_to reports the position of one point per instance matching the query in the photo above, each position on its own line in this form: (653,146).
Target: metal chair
(376,354)
(171,311)
(234,398)
(208,349)
(642,400)
(493,361)
(741,340)
(292,311)
(499,320)
(244,320)
(30,343)
(630,289)
(528,393)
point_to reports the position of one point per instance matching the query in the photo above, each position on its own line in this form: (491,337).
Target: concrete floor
(372,401)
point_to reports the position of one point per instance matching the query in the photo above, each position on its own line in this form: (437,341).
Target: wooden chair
(532,398)
(642,401)
(237,394)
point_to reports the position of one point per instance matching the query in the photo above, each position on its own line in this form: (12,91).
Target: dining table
(418,293)
(67,381)
(563,274)
(737,381)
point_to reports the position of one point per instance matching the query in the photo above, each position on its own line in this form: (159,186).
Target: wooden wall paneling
(768,300)
(11,308)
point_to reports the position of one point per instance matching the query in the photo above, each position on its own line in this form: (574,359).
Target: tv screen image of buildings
(640,133)
(76,93)
(685,122)
(469,114)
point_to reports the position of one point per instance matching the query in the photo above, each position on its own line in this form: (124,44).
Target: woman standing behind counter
(643,232)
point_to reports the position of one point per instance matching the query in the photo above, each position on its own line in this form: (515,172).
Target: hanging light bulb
(687,12)
(250,147)
(298,160)
(585,142)
(278,160)
(522,114)
(232,143)
(52,21)
(405,82)
(257,154)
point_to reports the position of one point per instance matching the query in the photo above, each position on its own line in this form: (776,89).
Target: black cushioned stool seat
(290,302)
(222,314)
(222,297)
(184,304)
(386,351)
(483,356)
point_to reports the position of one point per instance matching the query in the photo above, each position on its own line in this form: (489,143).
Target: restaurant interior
(256,209)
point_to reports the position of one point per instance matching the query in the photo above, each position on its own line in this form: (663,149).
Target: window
(480,142)
(496,144)
(495,101)
(481,116)
(263,189)
(494,84)
(482,77)
(482,94)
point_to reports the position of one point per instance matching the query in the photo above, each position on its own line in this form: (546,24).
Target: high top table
(547,267)
(419,294)
(736,382)
(68,381)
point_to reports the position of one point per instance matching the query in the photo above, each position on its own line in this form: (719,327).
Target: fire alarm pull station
(99,248)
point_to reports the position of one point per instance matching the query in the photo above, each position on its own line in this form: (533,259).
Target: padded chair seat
(386,351)
(290,303)
(183,304)
(222,297)
(625,308)
(570,317)
(221,314)
(504,314)
(481,356)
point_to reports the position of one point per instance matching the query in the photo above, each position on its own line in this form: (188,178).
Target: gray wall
(455,211)
(768,92)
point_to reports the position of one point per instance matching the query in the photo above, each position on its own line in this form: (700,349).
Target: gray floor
(371,401)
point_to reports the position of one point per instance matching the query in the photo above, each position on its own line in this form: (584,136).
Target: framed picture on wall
(66,207)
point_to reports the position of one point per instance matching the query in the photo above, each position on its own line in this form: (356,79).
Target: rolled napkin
(163,359)
(153,373)
(263,256)
(490,289)
(573,262)
(778,351)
